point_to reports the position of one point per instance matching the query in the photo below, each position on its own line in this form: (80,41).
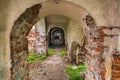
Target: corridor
(88,30)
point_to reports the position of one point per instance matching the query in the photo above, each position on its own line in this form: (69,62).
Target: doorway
(56,37)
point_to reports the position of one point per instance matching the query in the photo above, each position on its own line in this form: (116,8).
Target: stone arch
(64,8)
(62,35)
(18,41)
(22,26)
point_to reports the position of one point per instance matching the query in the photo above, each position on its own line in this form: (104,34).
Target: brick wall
(19,45)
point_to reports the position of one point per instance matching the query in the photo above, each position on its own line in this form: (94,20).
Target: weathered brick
(19,43)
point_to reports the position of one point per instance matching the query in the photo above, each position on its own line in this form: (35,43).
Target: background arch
(50,33)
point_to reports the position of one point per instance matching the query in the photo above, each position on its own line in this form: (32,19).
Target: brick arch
(18,43)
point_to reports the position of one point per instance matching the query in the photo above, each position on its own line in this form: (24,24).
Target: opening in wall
(56,37)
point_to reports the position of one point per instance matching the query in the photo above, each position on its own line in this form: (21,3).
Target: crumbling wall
(18,42)
(95,49)
(101,44)
(116,66)
(111,44)
(9,13)
(37,38)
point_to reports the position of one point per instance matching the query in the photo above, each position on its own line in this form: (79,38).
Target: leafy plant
(74,71)
(63,52)
(33,58)
(51,51)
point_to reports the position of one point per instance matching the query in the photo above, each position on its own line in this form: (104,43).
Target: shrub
(74,71)
(51,51)
(34,58)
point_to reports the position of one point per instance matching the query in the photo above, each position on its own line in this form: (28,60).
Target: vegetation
(63,52)
(51,51)
(75,72)
(34,58)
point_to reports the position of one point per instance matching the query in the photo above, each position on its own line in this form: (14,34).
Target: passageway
(65,35)
(54,47)
(56,37)
(85,29)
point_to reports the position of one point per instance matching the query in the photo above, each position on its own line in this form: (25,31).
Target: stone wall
(73,29)
(74,34)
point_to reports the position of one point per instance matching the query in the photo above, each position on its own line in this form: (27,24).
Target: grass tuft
(35,58)
(63,52)
(51,51)
(75,71)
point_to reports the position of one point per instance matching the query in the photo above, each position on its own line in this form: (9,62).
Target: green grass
(51,51)
(63,52)
(74,71)
(34,58)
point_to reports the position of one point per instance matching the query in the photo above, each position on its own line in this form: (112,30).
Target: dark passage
(56,36)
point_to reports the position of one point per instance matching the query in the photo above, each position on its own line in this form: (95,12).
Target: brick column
(18,42)
(94,49)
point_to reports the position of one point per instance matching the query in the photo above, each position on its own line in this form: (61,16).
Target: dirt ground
(52,68)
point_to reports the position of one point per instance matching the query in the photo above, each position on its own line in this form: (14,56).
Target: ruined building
(90,27)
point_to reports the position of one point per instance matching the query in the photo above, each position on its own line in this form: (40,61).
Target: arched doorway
(22,26)
(56,37)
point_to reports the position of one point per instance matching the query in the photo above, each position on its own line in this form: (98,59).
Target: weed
(51,51)
(74,71)
(63,52)
(34,58)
